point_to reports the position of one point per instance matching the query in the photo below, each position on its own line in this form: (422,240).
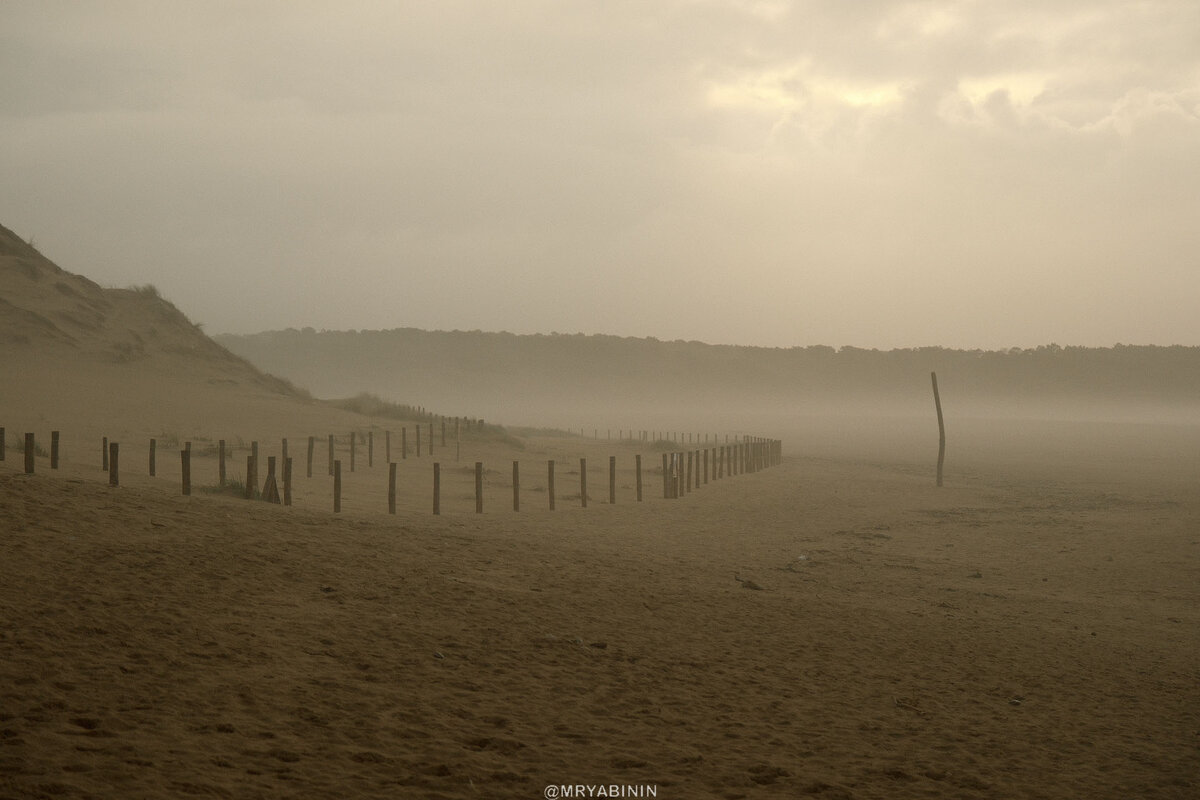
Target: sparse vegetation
(38,450)
(234,487)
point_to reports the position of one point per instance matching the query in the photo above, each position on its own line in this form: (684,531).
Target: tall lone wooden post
(391,487)
(337,486)
(478,479)
(937,402)
(53,449)
(153,448)
(550,482)
(221,462)
(185,459)
(114,471)
(638,461)
(29,448)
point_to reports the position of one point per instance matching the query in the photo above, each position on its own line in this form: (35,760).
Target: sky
(869,173)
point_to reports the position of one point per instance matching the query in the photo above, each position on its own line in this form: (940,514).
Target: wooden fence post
(153,447)
(516,486)
(638,462)
(478,479)
(550,481)
(312,442)
(252,472)
(114,470)
(53,449)
(337,486)
(185,458)
(437,488)
(612,478)
(937,402)
(287,481)
(221,463)
(583,481)
(30,446)
(706,462)
(391,487)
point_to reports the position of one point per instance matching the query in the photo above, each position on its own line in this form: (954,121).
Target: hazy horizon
(765,173)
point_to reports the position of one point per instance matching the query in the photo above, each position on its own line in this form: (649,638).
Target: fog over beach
(465,400)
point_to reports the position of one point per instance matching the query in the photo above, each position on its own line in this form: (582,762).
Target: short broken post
(30,445)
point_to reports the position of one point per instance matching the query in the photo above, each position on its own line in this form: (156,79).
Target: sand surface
(1029,630)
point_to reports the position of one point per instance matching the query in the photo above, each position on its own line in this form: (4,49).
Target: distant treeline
(440,366)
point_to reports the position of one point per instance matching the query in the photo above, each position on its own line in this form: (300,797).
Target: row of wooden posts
(682,472)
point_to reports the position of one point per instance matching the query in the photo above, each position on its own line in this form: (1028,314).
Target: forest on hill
(513,378)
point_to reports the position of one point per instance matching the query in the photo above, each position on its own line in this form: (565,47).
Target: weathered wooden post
(437,488)
(478,481)
(516,486)
(706,462)
(114,450)
(583,481)
(937,402)
(312,442)
(637,460)
(550,481)
(104,453)
(287,481)
(391,487)
(252,473)
(153,447)
(30,446)
(687,483)
(612,479)
(337,486)
(221,463)
(53,449)
(185,459)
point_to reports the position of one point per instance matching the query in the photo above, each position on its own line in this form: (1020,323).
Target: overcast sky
(879,174)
